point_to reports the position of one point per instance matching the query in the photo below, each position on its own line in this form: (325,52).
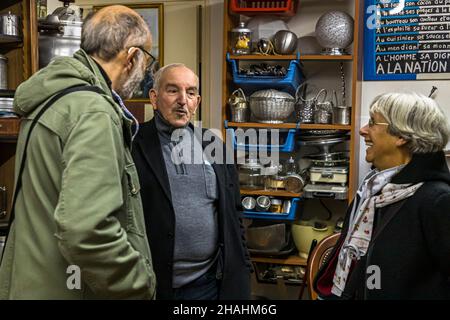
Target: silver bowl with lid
(271,106)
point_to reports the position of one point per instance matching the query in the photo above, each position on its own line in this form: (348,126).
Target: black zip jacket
(410,243)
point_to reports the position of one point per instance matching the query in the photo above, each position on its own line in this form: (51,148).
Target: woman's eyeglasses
(372,123)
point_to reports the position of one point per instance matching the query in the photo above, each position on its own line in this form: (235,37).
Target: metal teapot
(238,106)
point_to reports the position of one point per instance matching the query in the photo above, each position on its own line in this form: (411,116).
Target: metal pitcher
(304,108)
(9,24)
(341,114)
(239,106)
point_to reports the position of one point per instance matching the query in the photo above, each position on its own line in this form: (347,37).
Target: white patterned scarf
(362,215)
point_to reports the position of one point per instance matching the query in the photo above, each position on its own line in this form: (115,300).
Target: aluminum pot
(3,72)
(59,35)
(9,24)
(341,115)
(6,104)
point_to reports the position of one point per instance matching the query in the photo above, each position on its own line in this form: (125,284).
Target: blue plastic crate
(274,215)
(287,146)
(250,84)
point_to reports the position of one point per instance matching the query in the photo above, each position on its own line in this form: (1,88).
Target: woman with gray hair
(395,242)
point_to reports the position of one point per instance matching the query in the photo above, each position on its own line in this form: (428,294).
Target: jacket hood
(424,167)
(60,74)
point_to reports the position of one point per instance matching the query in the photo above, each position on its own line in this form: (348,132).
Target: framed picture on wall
(153,14)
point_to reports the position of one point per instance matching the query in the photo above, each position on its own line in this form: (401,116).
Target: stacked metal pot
(59,34)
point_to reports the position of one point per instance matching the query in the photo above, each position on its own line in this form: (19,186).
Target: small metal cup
(262,203)
(249,203)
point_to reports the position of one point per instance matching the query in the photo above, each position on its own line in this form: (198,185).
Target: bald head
(111,29)
(158,77)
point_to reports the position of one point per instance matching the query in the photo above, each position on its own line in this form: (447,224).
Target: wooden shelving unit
(291,260)
(4,39)
(289,126)
(316,57)
(22,54)
(271,193)
(317,72)
(9,128)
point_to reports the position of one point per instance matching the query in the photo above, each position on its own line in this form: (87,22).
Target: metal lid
(241,28)
(271,93)
(63,16)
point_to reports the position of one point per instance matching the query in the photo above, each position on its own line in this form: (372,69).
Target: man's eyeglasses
(372,123)
(152,60)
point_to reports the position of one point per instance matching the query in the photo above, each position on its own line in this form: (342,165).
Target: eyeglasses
(372,123)
(152,61)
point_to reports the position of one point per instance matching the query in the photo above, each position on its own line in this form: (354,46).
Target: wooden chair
(318,257)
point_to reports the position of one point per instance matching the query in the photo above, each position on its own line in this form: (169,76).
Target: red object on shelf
(258,7)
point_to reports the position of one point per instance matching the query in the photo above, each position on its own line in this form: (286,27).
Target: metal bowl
(332,159)
(285,42)
(271,106)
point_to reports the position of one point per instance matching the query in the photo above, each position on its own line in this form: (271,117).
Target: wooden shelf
(317,57)
(289,126)
(291,260)
(4,39)
(273,193)
(9,128)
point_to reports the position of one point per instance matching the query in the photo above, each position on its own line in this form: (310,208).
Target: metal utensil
(341,67)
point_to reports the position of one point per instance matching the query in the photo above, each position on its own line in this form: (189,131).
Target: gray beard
(132,83)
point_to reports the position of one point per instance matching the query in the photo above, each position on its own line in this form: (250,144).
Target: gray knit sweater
(194,194)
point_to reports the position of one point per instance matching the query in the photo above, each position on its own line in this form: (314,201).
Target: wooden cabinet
(324,71)
(21,51)
(22,54)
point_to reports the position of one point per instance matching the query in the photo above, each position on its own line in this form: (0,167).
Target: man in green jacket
(79,230)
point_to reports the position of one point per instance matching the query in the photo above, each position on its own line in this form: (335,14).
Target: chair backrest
(319,256)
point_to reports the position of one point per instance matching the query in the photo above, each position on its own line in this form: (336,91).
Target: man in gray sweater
(191,202)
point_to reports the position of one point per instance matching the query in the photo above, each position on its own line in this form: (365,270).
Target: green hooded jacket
(79,230)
